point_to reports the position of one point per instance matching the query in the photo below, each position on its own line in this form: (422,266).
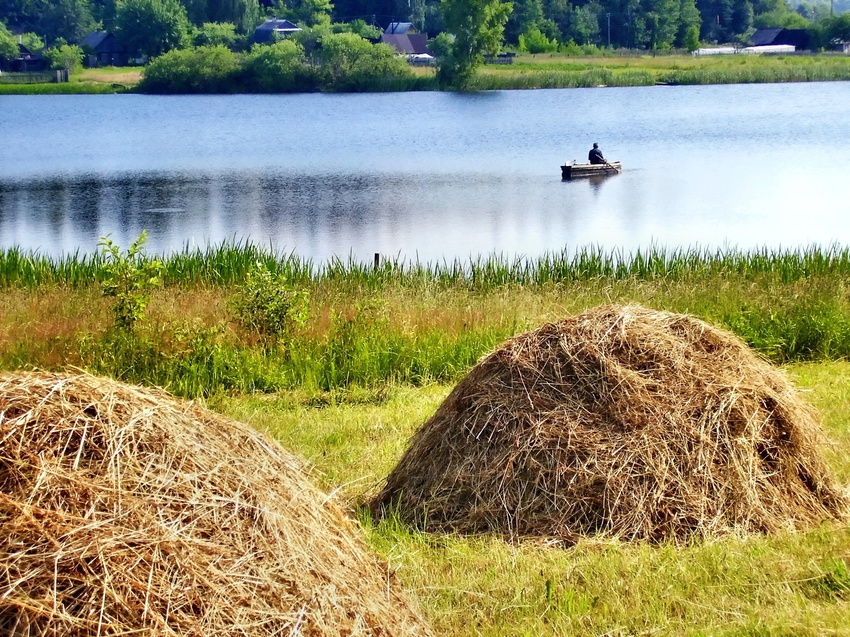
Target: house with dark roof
(798,38)
(26,62)
(404,38)
(273,29)
(104,49)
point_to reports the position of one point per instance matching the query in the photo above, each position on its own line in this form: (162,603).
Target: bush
(268,306)
(205,69)
(351,63)
(279,67)
(534,41)
(129,279)
(219,33)
(65,56)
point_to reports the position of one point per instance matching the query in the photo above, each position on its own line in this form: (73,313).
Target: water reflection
(467,175)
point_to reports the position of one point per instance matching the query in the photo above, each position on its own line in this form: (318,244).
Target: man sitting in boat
(595,155)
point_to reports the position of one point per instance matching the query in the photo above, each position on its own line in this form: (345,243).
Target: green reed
(585,78)
(228,263)
(403,321)
(824,71)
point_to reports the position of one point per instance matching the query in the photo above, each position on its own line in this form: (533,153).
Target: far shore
(549,70)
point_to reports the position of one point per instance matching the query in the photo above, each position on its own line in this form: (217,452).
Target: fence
(44,77)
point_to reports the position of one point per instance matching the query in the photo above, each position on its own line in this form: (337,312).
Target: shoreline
(528,72)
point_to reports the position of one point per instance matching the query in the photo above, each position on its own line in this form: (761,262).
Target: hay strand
(125,511)
(622,421)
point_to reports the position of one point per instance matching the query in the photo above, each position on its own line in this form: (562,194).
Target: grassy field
(795,584)
(85,81)
(378,351)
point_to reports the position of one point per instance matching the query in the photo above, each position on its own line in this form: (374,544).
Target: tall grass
(552,78)
(822,72)
(228,263)
(402,321)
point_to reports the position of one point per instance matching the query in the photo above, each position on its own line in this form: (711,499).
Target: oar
(615,169)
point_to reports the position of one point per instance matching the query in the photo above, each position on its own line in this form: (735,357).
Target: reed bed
(124,511)
(229,263)
(754,74)
(551,78)
(624,422)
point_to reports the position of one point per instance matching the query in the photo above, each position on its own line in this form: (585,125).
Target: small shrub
(65,56)
(129,278)
(269,306)
(278,67)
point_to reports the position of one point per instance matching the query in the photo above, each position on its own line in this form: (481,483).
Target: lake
(429,176)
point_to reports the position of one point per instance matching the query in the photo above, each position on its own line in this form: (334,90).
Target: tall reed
(228,263)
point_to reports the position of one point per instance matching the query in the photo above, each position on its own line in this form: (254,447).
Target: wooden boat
(574,170)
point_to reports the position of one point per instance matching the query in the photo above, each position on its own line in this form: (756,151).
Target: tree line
(462,31)
(643,24)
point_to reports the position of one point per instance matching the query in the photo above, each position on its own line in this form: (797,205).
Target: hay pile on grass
(124,511)
(622,421)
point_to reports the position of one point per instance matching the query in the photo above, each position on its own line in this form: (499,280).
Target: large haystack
(124,511)
(621,421)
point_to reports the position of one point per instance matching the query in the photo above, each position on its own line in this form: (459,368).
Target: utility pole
(608,15)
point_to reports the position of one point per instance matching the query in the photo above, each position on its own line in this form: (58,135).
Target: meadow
(342,361)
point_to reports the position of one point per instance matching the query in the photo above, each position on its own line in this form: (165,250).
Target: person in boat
(595,155)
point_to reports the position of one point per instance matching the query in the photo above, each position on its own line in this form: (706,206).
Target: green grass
(383,347)
(228,263)
(792,584)
(402,323)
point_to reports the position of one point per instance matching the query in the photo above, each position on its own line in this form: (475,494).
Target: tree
(65,56)
(218,33)
(691,42)
(526,14)
(70,20)
(560,13)
(742,17)
(308,13)
(478,26)
(584,26)
(689,20)
(244,14)
(8,45)
(534,41)
(661,18)
(152,27)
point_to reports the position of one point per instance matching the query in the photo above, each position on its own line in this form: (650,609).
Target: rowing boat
(574,170)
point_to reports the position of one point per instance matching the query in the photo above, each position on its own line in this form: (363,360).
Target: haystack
(624,422)
(125,511)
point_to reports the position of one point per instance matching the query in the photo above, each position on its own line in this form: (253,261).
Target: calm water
(429,175)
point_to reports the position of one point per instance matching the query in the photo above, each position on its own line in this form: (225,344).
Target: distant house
(798,38)
(26,62)
(103,49)
(404,38)
(271,29)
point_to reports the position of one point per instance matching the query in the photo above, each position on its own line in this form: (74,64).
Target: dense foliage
(151,27)
(339,62)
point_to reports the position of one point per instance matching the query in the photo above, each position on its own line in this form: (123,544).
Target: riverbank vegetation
(241,319)
(198,48)
(342,361)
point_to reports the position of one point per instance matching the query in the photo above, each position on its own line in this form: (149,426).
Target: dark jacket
(595,156)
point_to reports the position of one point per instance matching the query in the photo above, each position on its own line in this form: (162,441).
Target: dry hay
(123,510)
(622,421)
